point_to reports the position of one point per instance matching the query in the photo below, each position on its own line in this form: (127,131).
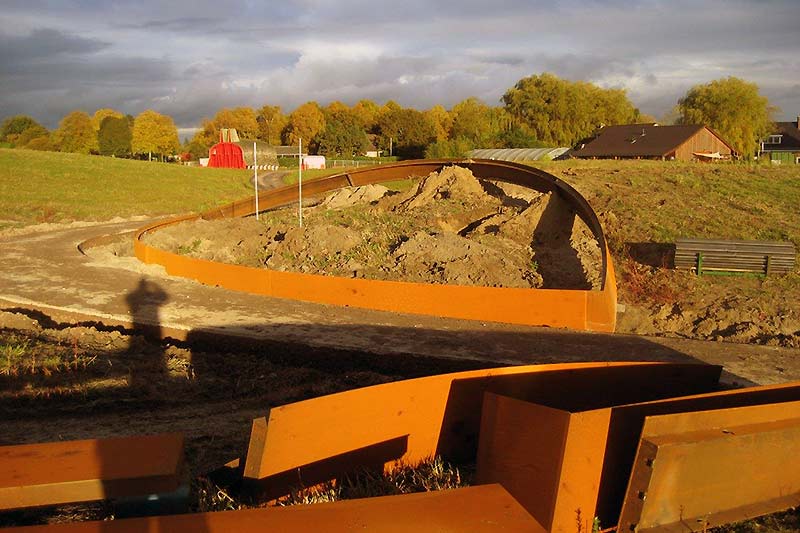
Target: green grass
(659,201)
(57,187)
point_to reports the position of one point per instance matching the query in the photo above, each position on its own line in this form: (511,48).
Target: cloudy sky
(190,58)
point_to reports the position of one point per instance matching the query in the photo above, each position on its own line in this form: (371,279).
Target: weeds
(430,475)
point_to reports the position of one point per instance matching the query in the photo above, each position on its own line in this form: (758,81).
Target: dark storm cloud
(45,43)
(189,59)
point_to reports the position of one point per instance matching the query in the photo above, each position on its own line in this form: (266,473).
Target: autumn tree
(12,127)
(242,119)
(442,122)
(367,113)
(733,108)
(561,112)
(449,149)
(271,122)
(471,121)
(305,123)
(76,134)
(343,136)
(114,137)
(36,135)
(101,114)
(154,133)
(410,131)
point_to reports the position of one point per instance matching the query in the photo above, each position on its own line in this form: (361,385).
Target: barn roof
(791,137)
(639,140)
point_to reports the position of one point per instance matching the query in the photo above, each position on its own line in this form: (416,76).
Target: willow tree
(733,108)
(562,112)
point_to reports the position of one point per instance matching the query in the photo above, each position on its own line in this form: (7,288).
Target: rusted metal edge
(52,473)
(411,420)
(593,310)
(482,509)
(702,469)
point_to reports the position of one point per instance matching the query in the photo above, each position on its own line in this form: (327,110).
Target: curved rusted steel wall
(593,310)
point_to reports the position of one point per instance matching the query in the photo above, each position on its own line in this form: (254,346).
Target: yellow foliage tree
(367,113)
(442,121)
(154,133)
(76,134)
(271,122)
(305,122)
(242,119)
(103,113)
(733,108)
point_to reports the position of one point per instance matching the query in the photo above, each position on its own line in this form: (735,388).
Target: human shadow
(143,305)
(249,368)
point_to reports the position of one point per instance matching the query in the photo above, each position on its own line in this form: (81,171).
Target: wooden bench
(481,509)
(711,256)
(53,473)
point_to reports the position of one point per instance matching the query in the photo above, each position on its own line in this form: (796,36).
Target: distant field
(659,201)
(57,187)
(639,201)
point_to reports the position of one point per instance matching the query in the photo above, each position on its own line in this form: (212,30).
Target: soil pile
(450,228)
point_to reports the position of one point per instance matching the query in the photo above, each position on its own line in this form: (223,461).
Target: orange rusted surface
(627,422)
(593,310)
(714,467)
(86,470)
(482,509)
(314,440)
(540,454)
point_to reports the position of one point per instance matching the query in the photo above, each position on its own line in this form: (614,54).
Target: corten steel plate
(709,468)
(87,470)
(487,508)
(597,447)
(593,310)
(315,440)
(544,458)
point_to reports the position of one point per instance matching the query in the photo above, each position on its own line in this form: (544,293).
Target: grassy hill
(54,187)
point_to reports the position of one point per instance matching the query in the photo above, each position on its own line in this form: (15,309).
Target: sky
(188,59)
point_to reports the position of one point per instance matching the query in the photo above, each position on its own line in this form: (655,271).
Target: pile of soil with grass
(450,228)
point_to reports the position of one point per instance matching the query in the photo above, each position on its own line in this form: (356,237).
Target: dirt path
(45,271)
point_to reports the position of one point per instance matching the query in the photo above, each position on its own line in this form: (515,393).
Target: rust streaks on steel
(409,421)
(710,468)
(484,509)
(593,310)
(86,470)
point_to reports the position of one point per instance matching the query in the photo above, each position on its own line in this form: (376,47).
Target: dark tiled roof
(637,140)
(790,140)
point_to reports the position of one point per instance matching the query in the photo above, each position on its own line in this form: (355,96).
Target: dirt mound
(450,228)
(452,259)
(455,184)
(354,196)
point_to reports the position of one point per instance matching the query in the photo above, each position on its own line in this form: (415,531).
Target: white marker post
(255,175)
(300,181)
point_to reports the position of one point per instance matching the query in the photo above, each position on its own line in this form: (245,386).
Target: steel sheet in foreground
(592,310)
(85,470)
(698,470)
(409,421)
(484,509)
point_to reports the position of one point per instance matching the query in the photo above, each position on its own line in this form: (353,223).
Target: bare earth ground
(454,229)
(79,379)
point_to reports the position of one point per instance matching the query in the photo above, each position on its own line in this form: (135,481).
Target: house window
(774,139)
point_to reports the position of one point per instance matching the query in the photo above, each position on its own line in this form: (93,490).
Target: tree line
(540,110)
